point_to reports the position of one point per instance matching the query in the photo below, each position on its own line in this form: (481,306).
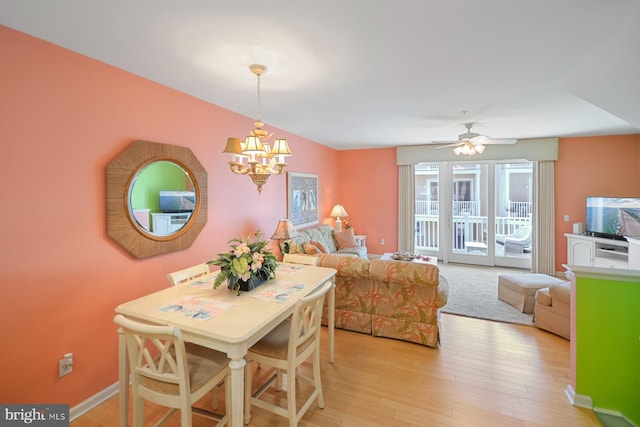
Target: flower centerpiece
(246,265)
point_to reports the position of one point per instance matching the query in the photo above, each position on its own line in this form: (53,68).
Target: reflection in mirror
(162,198)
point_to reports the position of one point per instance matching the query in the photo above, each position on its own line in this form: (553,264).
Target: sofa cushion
(311,249)
(322,234)
(358,251)
(543,297)
(345,239)
(320,246)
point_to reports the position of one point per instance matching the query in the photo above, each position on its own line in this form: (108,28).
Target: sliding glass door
(513,210)
(469,213)
(475,212)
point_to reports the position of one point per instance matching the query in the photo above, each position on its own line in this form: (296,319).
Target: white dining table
(245,320)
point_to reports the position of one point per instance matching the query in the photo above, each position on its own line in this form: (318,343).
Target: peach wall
(369,193)
(63,117)
(592,166)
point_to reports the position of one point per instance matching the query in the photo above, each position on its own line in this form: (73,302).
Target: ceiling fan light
(457,151)
(480,148)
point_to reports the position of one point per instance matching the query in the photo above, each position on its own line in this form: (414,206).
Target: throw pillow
(345,239)
(310,249)
(294,248)
(319,246)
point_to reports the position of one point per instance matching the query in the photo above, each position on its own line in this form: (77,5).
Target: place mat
(202,283)
(290,269)
(197,308)
(278,292)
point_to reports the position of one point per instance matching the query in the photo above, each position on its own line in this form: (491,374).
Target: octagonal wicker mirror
(156,198)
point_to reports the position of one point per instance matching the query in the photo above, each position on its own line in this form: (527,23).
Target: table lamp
(337,212)
(285,231)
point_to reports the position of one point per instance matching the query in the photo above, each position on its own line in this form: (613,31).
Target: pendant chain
(259,101)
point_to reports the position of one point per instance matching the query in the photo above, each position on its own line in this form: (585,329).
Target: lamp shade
(281,147)
(338,211)
(252,145)
(285,230)
(233,146)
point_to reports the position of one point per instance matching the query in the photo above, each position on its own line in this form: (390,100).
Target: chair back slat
(189,273)
(156,353)
(305,323)
(171,373)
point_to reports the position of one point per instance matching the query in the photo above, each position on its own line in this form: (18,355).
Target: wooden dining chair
(169,372)
(187,274)
(313,260)
(285,348)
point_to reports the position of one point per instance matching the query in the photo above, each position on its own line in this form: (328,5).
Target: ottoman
(519,290)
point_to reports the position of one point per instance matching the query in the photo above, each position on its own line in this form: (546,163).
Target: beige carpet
(473,292)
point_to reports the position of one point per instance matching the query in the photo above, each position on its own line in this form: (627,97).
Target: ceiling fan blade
(445,144)
(498,141)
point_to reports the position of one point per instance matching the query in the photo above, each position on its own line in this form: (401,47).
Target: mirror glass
(162,197)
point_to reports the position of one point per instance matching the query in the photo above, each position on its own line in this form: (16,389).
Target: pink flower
(257,262)
(242,248)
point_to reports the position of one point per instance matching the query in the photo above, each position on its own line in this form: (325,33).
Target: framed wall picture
(302,201)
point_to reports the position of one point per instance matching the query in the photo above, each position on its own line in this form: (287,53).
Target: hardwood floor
(484,374)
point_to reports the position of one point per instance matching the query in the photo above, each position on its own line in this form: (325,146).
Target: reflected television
(171,201)
(613,217)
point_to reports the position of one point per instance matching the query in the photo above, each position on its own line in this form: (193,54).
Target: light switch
(566,218)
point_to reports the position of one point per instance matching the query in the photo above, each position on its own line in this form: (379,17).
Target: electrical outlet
(65,365)
(382,241)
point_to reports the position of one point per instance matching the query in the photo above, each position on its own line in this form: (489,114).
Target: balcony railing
(519,209)
(465,228)
(431,207)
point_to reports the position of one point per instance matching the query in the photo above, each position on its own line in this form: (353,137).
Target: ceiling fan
(471,143)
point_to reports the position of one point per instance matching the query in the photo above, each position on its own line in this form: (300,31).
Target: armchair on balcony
(516,242)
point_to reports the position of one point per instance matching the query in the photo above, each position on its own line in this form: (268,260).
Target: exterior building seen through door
(474,212)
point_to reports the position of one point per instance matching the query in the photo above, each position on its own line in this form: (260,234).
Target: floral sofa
(322,239)
(394,299)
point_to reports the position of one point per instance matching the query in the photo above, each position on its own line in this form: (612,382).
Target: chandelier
(469,148)
(254,156)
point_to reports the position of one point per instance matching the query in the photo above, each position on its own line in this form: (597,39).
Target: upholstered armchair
(553,309)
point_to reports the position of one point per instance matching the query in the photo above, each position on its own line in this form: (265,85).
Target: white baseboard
(93,401)
(579,400)
(584,401)
(615,414)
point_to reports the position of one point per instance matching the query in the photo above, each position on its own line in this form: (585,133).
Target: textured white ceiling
(374,73)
